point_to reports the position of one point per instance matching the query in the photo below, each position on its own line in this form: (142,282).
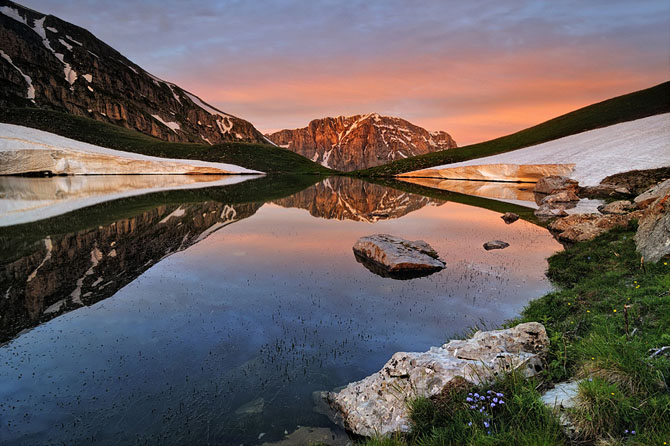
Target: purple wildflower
(486,424)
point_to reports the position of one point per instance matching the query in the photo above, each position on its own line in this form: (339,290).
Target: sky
(476,69)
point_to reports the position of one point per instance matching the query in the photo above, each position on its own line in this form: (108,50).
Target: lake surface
(211,316)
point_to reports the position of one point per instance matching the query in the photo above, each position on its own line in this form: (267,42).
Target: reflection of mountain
(64,272)
(344,198)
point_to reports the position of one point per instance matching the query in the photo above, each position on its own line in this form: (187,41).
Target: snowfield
(18,138)
(596,154)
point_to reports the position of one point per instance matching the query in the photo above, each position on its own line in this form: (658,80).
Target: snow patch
(73,41)
(30,93)
(326,157)
(53,30)
(633,145)
(179,212)
(169,124)
(224,128)
(89,88)
(208,108)
(207,140)
(13,14)
(88,77)
(49,245)
(65,44)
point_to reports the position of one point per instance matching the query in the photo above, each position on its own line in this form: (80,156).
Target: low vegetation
(611,312)
(639,104)
(263,157)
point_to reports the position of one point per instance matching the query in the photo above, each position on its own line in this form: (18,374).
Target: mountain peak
(46,62)
(361,141)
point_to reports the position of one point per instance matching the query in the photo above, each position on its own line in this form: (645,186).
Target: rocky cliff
(361,141)
(49,63)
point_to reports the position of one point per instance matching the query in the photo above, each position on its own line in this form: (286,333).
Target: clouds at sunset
(475,69)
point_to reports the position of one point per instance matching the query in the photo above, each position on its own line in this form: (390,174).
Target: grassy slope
(265,158)
(622,388)
(640,104)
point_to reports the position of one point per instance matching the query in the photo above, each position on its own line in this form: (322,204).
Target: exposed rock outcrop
(396,255)
(654,193)
(378,404)
(653,233)
(361,141)
(583,227)
(49,63)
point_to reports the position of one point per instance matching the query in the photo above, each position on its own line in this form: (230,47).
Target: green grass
(640,104)
(608,312)
(263,157)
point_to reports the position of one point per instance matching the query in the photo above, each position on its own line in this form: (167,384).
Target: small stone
(509,217)
(495,244)
(547,211)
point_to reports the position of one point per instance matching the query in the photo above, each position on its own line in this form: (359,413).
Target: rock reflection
(343,198)
(64,272)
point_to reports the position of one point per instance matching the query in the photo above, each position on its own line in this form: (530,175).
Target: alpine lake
(214,312)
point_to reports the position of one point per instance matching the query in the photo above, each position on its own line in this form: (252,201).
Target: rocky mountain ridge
(48,63)
(361,141)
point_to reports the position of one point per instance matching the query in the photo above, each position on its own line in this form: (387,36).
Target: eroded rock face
(654,193)
(653,233)
(563,196)
(378,404)
(397,255)
(361,141)
(49,63)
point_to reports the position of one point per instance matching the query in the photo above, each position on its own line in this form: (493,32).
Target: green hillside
(263,157)
(640,104)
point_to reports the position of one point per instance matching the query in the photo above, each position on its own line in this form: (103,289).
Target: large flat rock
(378,404)
(396,255)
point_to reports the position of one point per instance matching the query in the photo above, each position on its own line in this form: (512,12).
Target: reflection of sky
(477,69)
(274,307)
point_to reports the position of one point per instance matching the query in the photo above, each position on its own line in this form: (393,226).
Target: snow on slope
(639,144)
(16,137)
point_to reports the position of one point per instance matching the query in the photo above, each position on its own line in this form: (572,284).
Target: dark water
(210,318)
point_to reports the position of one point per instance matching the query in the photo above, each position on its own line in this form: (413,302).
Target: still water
(212,316)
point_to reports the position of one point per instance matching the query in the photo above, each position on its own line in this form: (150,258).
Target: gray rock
(555,183)
(495,244)
(509,217)
(649,196)
(616,207)
(653,233)
(378,404)
(563,395)
(396,255)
